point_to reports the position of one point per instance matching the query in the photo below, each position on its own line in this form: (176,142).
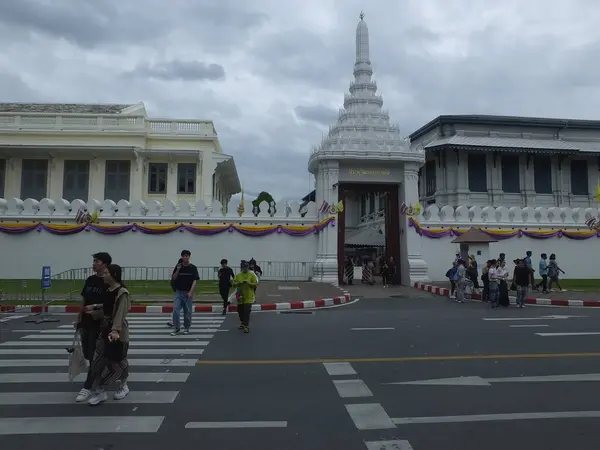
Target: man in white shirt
(494,289)
(461,273)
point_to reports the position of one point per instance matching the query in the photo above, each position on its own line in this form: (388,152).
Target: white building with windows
(509,161)
(494,161)
(110,152)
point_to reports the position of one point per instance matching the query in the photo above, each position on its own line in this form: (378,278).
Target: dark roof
(67,108)
(503,144)
(536,122)
(474,236)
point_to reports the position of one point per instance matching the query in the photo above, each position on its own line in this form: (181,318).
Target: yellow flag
(417,209)
(340,206)
(598,193)
(95,217)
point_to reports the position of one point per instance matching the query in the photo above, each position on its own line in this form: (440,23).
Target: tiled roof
(507,143)
(58,108)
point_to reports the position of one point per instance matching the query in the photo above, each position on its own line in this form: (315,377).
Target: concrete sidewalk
(569,298)
(267,292)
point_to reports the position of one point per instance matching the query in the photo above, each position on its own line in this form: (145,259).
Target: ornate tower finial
(361,15)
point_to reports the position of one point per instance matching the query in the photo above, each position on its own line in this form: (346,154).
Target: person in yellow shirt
(245,282)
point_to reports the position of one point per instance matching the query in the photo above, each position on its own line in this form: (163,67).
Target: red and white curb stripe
(166,309)
(445,292)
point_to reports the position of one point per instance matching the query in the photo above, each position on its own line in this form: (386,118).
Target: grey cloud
(319,114)
(426,63)
(14,89)
(180,70)
(215,24)
(87,25)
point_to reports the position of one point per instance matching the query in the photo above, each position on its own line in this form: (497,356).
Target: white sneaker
(83,395)
(97,398)
(121,392)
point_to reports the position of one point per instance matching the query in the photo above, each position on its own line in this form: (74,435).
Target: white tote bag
(77,362)
(233,298)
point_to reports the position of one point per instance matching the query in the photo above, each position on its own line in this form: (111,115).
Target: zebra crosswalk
(36,396)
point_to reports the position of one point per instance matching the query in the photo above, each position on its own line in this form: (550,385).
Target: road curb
(166,309)
(445,292)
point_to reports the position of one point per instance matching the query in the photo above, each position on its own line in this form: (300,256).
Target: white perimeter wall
(578,258)
(24,254)
(282,257)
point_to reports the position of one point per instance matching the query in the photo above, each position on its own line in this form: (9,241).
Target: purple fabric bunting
(502,236)
(63,230)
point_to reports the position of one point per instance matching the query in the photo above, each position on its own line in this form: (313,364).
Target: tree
(263,197)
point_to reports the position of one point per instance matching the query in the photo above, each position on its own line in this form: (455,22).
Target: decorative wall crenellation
(48,209)
(503,216)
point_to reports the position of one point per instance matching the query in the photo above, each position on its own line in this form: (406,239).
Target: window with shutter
(542,174)
(34,179)
(579,177)
(430,179)
(76,180)
(117,180)
(477,172)
(157,178)
(510,174)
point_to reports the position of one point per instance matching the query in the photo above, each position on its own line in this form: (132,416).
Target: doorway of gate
(368,230)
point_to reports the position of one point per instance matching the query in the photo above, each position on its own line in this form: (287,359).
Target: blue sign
(46,277)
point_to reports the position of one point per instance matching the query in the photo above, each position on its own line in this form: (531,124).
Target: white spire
(363,126)
(362,41)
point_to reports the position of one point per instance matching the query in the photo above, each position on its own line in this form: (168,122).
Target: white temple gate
(363,148)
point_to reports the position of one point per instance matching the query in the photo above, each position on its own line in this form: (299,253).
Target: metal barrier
(67,285)
(272,271)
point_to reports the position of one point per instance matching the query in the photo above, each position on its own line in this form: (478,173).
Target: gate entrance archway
(389,213)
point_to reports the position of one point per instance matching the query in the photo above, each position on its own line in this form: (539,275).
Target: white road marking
(80,425)
(256,424)
(6,319)
(165,362)
(170,341)
(554,317)
(529,326)
(339,369)
(135,332)
(67,398)
(352,388)
(388,445)
(370,416)
(580,333)
(372,329)
(131,351)
(496,417)
(479,381)
(150,377)
(141,336)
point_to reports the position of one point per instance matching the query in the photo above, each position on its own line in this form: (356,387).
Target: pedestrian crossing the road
(36,396)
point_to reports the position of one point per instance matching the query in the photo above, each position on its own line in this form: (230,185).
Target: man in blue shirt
(529,265)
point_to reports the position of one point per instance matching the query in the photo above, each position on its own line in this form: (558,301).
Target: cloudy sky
(272,73)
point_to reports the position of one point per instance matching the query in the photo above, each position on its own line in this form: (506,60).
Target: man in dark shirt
(90,317)
(185,277)
(522,278)
(225,276)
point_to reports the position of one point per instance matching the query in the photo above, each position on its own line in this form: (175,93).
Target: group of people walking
(495,277)
(102,324)
(185,276)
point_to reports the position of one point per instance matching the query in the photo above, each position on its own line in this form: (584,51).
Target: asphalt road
(322,381)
